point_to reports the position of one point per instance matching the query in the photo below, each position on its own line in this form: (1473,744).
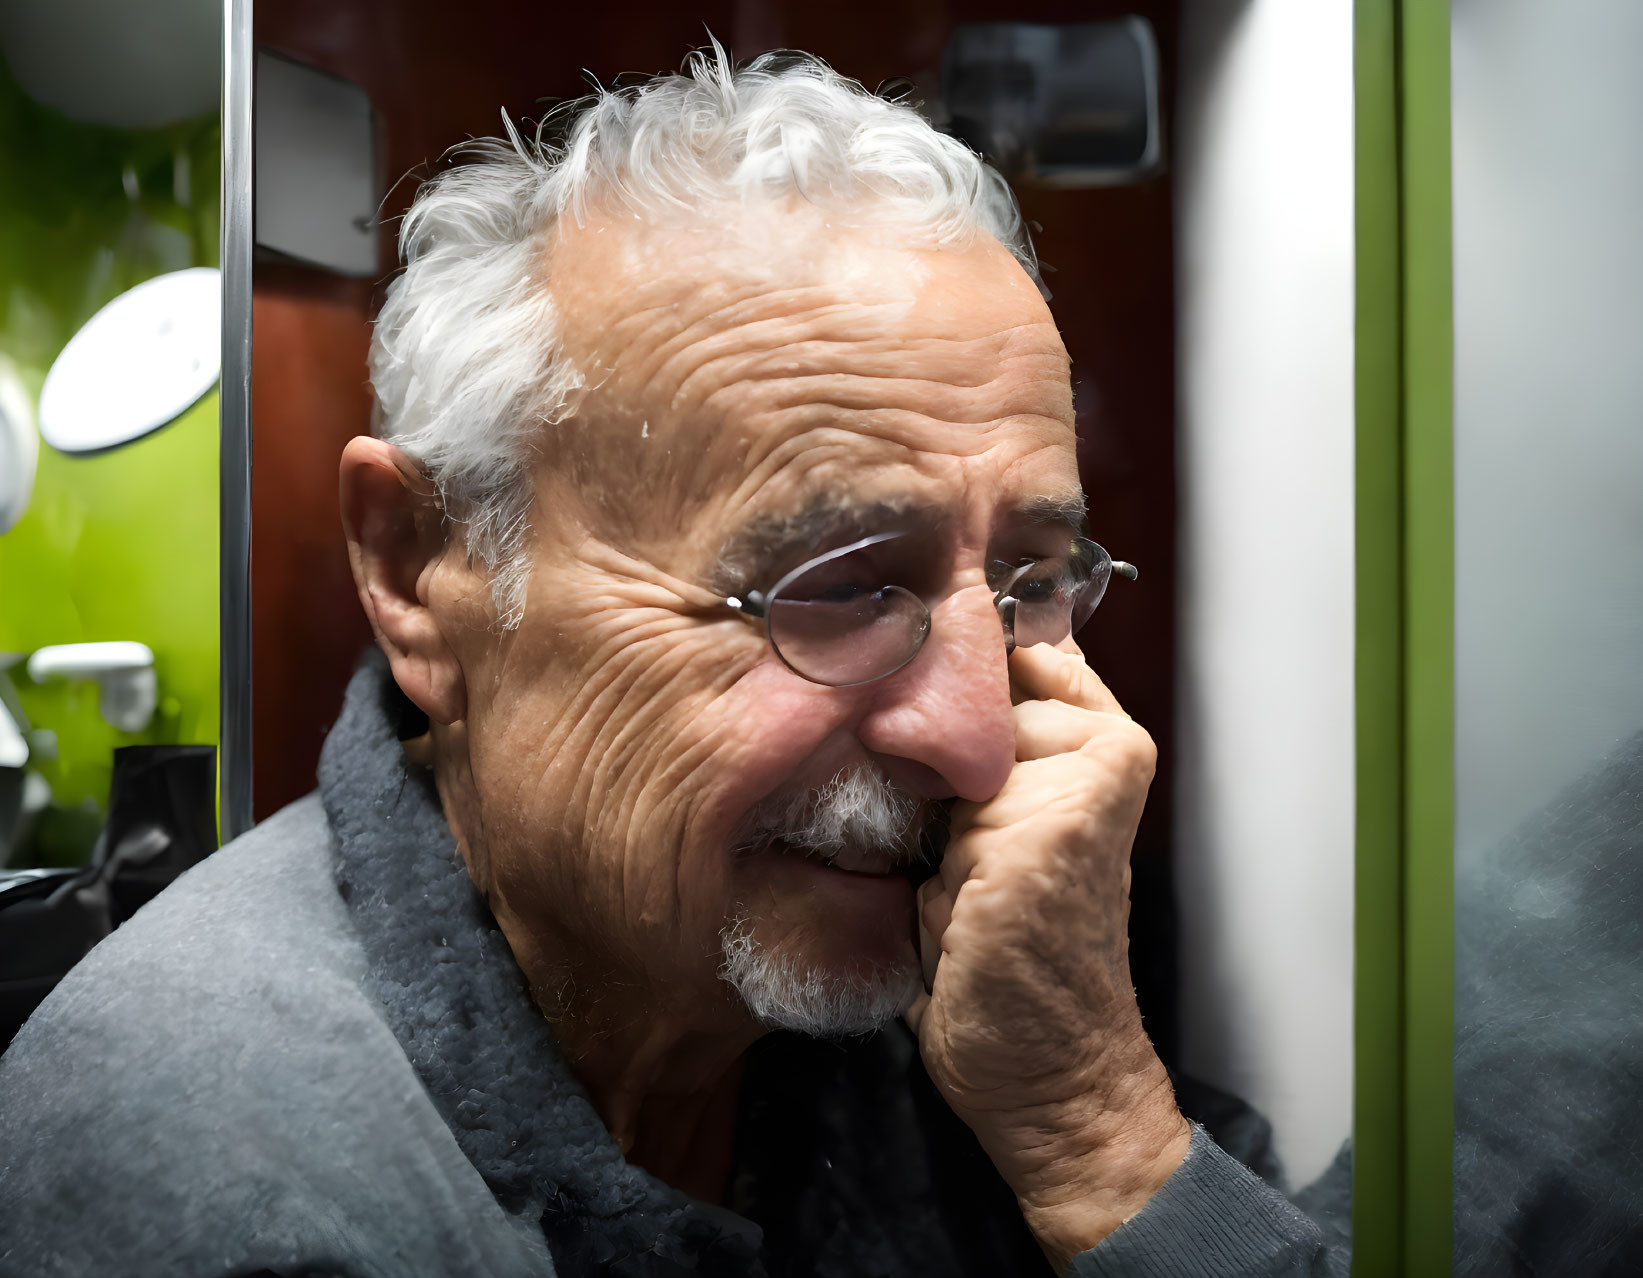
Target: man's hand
(1031,1029)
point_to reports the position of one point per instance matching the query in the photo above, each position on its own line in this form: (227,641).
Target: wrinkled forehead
(753,362)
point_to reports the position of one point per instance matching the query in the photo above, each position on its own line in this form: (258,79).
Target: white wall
(1263,166)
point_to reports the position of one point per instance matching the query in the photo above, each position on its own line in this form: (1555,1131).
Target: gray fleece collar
(457,1002)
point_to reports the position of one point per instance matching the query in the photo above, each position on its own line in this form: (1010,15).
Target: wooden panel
(308,398)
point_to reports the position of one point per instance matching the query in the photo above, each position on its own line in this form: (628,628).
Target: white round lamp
(140,362)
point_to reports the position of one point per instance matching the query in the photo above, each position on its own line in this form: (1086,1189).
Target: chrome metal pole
(234,750)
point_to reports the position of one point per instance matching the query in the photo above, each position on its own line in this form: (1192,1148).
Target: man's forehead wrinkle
(755,335)
(802,447)
(656,303)
(771,415)
(700,307)
(882,380)
(699,276)
(935,363)
(657,347)
(818,322)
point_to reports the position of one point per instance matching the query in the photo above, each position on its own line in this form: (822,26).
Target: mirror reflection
(1548,615)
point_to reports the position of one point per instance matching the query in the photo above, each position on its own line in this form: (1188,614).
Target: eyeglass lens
(836,622)
(1053,597)
(846,639)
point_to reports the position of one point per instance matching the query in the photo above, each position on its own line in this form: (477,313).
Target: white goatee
(860,811)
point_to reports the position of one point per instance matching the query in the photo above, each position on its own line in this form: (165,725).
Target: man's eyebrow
(832,518)
(827,519)
(1070,509)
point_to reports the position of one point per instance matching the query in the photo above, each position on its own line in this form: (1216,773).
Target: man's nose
(949,710)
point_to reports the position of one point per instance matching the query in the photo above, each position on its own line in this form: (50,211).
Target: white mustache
(859,808)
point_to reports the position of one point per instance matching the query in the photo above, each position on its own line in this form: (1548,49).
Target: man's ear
(395,540)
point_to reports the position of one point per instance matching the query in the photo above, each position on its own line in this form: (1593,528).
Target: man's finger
(935,912)
(1044,673)
(1043,728)
(914,1015)
(965,854)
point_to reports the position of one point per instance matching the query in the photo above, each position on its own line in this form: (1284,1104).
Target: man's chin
(831,995)
(851,923)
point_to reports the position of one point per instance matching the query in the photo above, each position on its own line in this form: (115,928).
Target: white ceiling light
(140,362)
(19,447)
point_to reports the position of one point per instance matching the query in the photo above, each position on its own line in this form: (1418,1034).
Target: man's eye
(1039,579)
(828,592)
(1037,588)
(841,580)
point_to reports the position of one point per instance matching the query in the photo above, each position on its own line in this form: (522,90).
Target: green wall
(121,545)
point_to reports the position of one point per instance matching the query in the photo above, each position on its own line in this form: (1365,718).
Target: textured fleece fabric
(314,1054)
(1549,1037)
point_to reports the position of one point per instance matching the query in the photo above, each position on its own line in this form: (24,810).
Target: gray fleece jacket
(314,1054)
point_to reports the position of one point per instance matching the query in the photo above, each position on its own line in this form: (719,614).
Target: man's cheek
(767,725)
(664,709)
(734,748)
(654,758)
(623,703)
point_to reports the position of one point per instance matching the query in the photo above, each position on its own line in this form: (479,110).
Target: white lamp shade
(140,362)
(19,447)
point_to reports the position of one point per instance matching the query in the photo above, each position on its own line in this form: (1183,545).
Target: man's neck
(688,1141)
(660,1065)
(665,1087)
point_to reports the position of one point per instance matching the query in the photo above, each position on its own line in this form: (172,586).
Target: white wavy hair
(465,357)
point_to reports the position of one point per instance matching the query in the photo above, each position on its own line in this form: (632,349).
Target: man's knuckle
(1136,748)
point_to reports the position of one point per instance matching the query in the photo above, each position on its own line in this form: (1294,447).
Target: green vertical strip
(1429,645)
(1378,1106)
(1404,1110)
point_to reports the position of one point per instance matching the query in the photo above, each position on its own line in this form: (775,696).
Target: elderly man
(723,541)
